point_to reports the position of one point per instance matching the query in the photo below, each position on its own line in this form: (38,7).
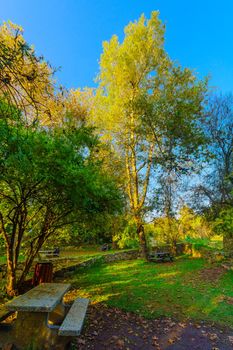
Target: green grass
(154,290)
(84,254)
(3,259)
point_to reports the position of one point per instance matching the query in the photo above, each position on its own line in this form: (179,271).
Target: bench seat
(73,322)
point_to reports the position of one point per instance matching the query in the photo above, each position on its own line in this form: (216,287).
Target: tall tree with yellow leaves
(142,99)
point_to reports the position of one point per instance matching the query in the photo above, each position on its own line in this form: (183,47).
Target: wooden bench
(52,253)
(160,256)
(73,322)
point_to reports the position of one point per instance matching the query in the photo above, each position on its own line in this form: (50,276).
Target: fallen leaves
(213,336)
(230,337)
(182,325)
(171,341)
(81,341)
(120,343)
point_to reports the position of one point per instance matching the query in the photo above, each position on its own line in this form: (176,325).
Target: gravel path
(112,329)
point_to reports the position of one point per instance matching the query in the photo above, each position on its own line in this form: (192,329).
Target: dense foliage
(48,179)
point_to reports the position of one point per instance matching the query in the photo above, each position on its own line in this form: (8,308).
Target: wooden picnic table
(160,256)
(41,315)
(50,253)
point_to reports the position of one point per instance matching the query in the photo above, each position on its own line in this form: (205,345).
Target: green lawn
(180,289)
(87,253)
(3,259)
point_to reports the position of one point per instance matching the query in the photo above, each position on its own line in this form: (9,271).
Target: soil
(212,274)
(113,329)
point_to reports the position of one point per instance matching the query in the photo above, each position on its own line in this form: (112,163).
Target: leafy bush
(127,239)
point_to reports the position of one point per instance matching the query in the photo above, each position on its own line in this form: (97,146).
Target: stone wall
(126,255)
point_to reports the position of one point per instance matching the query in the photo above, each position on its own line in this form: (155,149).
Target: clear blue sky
(69,33)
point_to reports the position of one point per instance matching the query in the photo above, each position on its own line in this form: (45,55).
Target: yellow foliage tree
(124,76)
(140,101)
(26,80)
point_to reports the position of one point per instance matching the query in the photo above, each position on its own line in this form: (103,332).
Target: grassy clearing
(178,289)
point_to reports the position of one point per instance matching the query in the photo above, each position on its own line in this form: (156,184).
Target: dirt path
(112,329)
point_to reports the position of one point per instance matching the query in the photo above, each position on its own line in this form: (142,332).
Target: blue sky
(69,33)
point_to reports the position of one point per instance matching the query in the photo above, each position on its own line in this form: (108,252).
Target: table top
(43,298)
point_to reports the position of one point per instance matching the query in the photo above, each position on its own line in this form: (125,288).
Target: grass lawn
(84,254)
(187,288)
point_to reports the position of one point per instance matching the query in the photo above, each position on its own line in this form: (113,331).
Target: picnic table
(42,318)
(50,253)
(160,256)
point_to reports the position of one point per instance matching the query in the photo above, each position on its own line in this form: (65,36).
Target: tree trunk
(228,244)
(11,288)
(142,240)
(174,247)
(11,272)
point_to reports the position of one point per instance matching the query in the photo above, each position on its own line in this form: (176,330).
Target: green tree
(171,230)
(48,179)
(193,225)
(167,231)
(223,225)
